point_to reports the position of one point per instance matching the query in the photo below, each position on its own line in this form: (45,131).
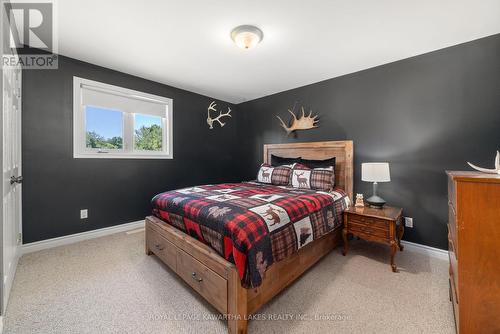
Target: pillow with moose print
(279,175)
(316,178)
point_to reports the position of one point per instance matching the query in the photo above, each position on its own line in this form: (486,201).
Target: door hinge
(19,238)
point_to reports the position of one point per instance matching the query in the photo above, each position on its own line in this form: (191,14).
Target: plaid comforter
(251,224)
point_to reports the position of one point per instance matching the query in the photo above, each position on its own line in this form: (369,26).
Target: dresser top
(474,176)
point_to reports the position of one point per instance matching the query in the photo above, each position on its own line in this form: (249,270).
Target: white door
(11,222)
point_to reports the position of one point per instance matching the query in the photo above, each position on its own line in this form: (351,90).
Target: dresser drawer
(162,248)
(202,279)
(453,266)
(369,221)
(452,225)
(454,301)
(354,227)
(452,193)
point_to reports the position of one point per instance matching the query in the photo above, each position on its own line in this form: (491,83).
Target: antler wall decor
(496,170)
(210,120)
(302,123)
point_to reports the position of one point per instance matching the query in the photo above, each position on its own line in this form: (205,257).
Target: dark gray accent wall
(115,191)
(424,115)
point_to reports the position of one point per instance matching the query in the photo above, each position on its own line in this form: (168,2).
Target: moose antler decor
(210,120)
(302,123)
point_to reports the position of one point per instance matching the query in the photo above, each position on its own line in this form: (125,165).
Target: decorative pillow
(317,178)
(279,175)
(279,161)
(318,163)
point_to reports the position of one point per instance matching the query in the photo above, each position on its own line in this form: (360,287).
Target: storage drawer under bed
(161,247)
(202,279)
(205,281)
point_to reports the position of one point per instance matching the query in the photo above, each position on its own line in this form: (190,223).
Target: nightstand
(381,225)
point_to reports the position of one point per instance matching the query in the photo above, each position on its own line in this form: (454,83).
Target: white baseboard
(426,250)
(138,226)
(72,238)
(139,230)
(1,324)
(8,277)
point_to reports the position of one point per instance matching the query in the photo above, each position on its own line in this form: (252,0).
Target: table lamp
(375,172)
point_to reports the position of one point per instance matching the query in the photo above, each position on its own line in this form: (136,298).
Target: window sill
(120,156)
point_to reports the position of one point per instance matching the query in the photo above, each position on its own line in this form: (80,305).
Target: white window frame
(80,149)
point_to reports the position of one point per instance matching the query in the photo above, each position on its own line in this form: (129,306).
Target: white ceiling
(186,43)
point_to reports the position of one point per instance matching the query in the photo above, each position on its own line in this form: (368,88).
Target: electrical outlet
(408,222)
(84,214)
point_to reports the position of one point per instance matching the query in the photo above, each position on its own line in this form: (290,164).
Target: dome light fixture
(246,36)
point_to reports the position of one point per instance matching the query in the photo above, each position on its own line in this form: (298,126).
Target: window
(114,122)
(103,128)
(148,133)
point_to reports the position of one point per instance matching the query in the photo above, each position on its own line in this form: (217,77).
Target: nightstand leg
(401,230)
(394,248)
(346,245)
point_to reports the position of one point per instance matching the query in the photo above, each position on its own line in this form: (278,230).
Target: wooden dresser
(474,250)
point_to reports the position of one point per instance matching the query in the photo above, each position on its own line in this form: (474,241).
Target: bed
(239,244)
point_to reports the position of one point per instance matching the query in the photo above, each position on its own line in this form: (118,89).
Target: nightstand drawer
(354,227)
(369,221)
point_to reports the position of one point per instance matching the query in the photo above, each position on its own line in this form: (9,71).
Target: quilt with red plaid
(252,224)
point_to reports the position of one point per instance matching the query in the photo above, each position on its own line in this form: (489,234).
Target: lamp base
(376,202)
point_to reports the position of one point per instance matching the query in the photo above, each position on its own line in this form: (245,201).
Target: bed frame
(216,279)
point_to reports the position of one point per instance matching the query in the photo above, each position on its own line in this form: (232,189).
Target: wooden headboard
(341,150)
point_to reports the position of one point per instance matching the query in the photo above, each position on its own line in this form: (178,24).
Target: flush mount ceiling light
(246,36)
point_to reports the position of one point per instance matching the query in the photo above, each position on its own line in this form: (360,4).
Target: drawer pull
(450,204)
(158,247)
(451,247)
(196,278)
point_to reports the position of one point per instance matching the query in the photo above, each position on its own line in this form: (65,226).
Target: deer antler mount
(210,120)
(495,170)
(302,123)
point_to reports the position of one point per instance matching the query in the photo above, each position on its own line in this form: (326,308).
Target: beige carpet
(108,285)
